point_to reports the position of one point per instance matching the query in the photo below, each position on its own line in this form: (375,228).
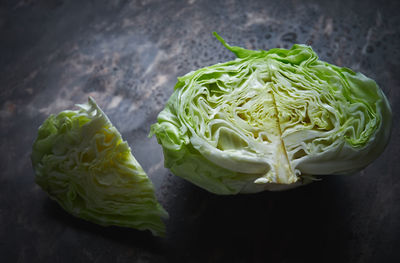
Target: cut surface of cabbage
(82,162)
(271,120)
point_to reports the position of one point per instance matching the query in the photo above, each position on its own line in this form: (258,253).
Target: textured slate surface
(127,55)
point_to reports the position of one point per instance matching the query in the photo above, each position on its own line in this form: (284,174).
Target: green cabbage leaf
(271,120)
(81,161)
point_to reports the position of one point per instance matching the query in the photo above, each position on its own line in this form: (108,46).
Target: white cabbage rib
(270,120)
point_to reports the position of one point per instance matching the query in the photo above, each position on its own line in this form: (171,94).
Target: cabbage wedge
(271,120)
(81,161)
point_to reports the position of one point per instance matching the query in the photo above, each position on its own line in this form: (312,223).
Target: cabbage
(81,161)
(271,120)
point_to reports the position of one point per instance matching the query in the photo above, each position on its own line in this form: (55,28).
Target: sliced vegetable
(271,120)
(81,161)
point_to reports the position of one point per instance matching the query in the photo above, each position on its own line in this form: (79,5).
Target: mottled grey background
(127,55)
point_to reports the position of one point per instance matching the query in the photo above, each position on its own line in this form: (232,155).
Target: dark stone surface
(127,55)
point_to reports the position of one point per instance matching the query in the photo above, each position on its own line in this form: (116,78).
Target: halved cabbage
(270,120)
(81,161)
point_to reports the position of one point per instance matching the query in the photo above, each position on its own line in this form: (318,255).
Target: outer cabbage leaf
(81,161)
(271,120)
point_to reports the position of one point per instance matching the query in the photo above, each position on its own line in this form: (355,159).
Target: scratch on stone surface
(378,18)
(259,18)
(161,79)
(22,3)
(114,102)
(328,26)
(320,22)
(59,103)
(29,91)
(135,106)
(371,32)
(159,57)
(67,101)
(32,75)
(80,63)
(156,167)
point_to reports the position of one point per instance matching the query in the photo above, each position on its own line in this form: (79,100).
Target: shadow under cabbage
(300,224)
